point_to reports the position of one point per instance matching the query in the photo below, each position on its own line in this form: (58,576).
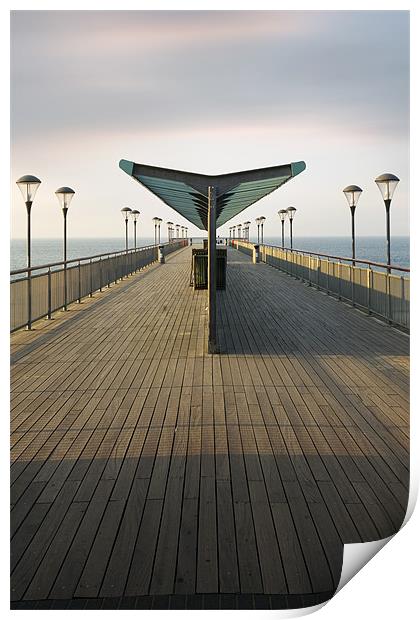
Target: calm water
(367,248)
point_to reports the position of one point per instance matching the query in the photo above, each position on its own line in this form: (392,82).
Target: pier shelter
(209,201)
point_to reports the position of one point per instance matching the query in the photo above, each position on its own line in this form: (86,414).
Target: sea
(45,251)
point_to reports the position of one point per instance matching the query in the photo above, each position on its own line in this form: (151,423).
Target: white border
(387,586)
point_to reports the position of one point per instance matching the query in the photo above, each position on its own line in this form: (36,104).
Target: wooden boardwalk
(148,473)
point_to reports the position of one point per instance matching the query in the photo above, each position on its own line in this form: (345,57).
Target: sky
(210,92)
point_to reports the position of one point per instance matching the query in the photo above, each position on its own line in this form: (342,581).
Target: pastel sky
(210,92)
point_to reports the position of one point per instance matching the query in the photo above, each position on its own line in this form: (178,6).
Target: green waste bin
(199,268)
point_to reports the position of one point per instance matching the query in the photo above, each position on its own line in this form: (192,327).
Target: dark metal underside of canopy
(187,192)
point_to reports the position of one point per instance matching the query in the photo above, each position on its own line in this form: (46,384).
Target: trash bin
(221,263)
(200,265)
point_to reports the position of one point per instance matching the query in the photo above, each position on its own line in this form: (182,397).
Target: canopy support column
(211,274)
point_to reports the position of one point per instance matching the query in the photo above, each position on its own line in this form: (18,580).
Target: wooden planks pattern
(141,466)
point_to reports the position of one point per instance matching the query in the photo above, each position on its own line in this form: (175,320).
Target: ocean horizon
(50,250)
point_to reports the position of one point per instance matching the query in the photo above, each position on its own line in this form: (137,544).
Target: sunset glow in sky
(210,92)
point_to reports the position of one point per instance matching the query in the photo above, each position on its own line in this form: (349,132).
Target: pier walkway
(147,473)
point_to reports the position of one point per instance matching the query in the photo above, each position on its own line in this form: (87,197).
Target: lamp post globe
(387,184)
(28,186)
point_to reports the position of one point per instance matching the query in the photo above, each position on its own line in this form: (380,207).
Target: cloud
(155,71)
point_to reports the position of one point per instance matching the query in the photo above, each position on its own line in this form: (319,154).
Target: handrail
(351,260)
(77,260)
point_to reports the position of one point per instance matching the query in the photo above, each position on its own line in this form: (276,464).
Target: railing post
(318,269)
(80,284)
(115,268)
(49,294)
(29,323)
(328,276)
(339,280)
(90,278)
(388,281)
(402,305)
(369,286)
(100,274)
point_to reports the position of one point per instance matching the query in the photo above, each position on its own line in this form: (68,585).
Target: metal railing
(42,288)
(380,289)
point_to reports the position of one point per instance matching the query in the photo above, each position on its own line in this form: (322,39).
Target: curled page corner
(356,556)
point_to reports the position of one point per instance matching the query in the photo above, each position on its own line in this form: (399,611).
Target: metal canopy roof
(186,192)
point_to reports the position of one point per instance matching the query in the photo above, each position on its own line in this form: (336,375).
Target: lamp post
(246,228)
(125,213)
(352,193)
(234,231)
(258,222)
(65,195)
(262,220)
(135,216)
(28,186)
(282,215)
(159,223)
(291,213)
(169,225)
(239,231)
(177,230)
(387,184)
